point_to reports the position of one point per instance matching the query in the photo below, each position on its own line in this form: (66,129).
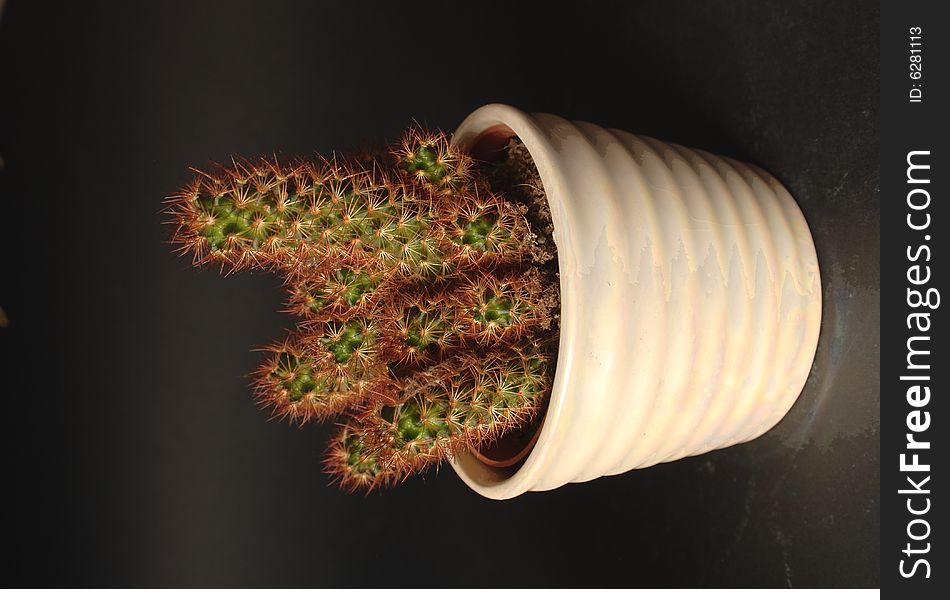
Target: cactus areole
(426,300)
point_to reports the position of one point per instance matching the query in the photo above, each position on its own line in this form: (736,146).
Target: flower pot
(690,301)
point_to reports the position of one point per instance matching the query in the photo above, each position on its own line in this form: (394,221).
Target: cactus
(425,322)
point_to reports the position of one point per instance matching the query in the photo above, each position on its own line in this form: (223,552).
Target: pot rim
(492,125)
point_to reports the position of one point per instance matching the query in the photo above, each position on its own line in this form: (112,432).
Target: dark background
(133,454)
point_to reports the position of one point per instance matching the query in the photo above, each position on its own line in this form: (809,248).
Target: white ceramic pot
(690,301)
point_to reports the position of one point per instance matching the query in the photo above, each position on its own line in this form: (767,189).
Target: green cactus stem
(443,412)
(318,375)
(299,218)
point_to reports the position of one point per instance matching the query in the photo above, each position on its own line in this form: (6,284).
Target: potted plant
(678,313)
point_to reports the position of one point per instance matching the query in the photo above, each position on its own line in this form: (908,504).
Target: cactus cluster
(424,323)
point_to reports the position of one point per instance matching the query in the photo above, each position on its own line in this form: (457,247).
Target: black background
(133,454)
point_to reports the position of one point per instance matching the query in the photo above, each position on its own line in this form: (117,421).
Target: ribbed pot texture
(690,300)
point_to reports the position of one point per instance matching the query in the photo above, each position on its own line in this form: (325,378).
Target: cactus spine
(423,318)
